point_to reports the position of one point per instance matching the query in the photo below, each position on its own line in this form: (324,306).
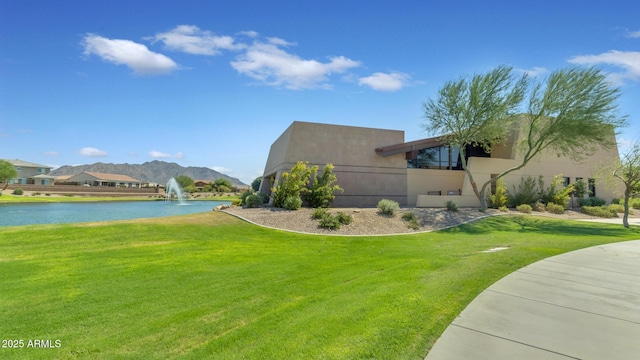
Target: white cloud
(222,169)
(161,155)
(92,152)
(629,61)
(271,65)
(634,34)
(534,71)
(190,39)
(126,52)
(393,81)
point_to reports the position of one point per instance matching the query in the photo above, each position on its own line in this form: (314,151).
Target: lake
(57,213)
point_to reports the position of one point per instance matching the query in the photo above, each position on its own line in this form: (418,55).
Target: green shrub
(592,201)
(18,191)
(617,201)
(555,208)
(560,196)
(529,191)
(388,207)
(503,209)
(236,202)
(451,206)
(540,207)
(412,220)
(292,202)
(330,222)
(319,213)
(320,189)
(245,194)
(500,198)
(634,203)
(291,185)
(618,208)
(253,201)
(599,211)
(344,219)
(524,208)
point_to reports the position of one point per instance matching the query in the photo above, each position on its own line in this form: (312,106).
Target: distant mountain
(155,171)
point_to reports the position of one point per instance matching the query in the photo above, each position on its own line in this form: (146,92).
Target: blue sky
(214,83)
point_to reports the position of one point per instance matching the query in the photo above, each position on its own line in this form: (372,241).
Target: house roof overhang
(409,146)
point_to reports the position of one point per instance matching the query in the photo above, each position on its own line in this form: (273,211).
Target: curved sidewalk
(579,305)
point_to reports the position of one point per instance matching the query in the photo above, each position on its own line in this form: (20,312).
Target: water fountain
(173,186)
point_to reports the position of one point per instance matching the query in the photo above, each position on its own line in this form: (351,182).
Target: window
(592,187)
(567,181)
(441,157)
(41,171)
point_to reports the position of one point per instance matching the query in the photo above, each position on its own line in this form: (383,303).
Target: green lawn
(210,286)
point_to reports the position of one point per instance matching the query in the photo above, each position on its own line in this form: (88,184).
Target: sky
(214,83)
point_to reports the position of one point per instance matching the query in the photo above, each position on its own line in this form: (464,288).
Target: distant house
(199,184)
(31,173)
(100,179)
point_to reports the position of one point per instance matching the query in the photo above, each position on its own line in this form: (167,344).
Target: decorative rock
(221,207)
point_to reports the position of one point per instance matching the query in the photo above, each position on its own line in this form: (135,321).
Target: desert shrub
(618,208)
(344,219)
(319,213)
(253,201)
(503,209)
(329,222)
(599,211)
(292,202)
(451,206)
(291,185)
(245,194)
(321,189)
(412,220)
(236,202)
(500,198)
(634,203)
(540,207)
(592,201)
(555,208)
(617,201)
(388,207)
(524,208)
(529,191)
(18,191)
(556,193)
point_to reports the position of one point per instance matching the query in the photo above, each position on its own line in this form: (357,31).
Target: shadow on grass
(531,224)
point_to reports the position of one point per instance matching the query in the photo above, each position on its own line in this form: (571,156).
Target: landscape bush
(253,201)
(245,194)
(451,206)
(599,211)
(529,191)
(343,218)
(557,194)
(18,191)
(388,207)
(333,222)
(319,213)
(501,196)
(503,209)
(236,202)
(524,208)
(292,202)
(555,208)
(539,207)
(412,220)
(321,189)
(592,201)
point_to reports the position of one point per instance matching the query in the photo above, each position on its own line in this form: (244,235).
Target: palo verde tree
(571,114)
(7,172)
(627,170)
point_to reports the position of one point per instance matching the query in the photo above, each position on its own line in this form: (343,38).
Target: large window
(442,157)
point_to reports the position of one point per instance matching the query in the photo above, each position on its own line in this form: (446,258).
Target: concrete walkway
(580,305)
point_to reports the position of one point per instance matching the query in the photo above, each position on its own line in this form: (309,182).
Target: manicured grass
(210,286)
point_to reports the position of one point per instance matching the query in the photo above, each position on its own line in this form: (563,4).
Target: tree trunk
(625,218)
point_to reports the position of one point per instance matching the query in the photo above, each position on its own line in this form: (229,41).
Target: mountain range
(154,171)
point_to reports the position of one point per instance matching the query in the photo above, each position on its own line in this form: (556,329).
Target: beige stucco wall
(365,176)
(547,164)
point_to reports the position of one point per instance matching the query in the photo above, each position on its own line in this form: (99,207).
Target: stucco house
(101,179)
(31,173)
(373,164)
